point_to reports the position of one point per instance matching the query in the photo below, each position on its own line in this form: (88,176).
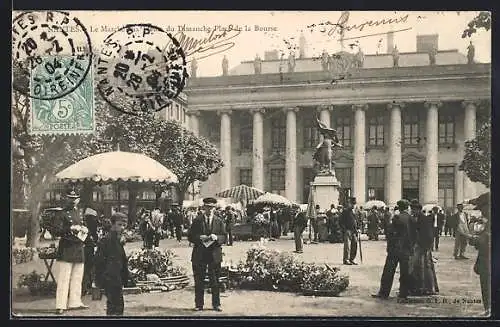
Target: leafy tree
(483,20)
(477,158)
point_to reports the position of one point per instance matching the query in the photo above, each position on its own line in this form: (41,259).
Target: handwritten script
(341,26)
(215,43)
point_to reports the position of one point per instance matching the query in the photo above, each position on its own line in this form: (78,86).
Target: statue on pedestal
(326,149)
(470,53)
(225,66)
(291,62)
(194,67)
(432,56)
(324,60)
(395,57)
(257,64)
(359,58)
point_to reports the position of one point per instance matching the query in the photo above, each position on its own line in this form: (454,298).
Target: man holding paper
(207,234)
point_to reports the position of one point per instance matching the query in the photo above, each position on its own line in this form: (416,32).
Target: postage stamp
(140,68)
(37,34)
(71,114)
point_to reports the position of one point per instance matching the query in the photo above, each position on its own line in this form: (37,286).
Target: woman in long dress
(422,265)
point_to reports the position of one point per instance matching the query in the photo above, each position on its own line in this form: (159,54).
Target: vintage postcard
(257,163)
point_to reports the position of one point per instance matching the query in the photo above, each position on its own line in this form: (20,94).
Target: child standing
(111,265)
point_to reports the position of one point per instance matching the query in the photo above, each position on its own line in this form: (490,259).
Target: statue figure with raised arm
(325,151)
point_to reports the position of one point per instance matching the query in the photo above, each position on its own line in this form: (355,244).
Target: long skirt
(423,273)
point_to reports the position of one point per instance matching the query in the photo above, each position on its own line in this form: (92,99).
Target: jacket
(400,236)
(425,231)
(111,263)
(300,220)
(462,228)
(213,253)
(348,220)
(70,249)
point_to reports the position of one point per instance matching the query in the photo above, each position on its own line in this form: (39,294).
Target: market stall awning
(241,193)
(117,165)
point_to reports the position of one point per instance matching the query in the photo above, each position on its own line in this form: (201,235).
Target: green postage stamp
(72,113)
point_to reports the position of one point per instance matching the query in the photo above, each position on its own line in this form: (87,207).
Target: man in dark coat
(207,233)
(437,226)
(112,265)
(299,225)
(229,218)
(373,221)
(399,248)
(90,220)
(177,220)
(349,228)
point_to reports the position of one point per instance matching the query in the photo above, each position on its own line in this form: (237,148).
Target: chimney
(302,46)
(390,41)
(426,42)
(271,55)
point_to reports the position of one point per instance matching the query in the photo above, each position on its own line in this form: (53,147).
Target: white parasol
(117,165)
(374,203)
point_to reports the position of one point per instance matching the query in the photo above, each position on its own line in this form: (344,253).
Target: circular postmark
(140,69)
(51,54)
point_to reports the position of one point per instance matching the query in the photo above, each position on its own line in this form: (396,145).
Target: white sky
(449,25)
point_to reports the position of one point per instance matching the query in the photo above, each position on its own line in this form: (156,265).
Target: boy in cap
(112,265)
(207,233)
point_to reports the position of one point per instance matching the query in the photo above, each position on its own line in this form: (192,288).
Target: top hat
(210,202)
(72,195)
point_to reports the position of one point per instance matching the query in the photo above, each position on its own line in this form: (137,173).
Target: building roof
(406,59)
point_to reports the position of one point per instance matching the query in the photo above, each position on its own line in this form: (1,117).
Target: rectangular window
(310,134)
(246,134)
(376,131)
(278,181)
(246,177)
(376,183)
(278,134)
(411,129)
(410,177)
(446,128)
(446,186)
(343,127)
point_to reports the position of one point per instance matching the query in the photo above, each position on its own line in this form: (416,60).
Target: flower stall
(273,270)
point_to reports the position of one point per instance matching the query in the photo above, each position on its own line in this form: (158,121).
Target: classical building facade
(403,128)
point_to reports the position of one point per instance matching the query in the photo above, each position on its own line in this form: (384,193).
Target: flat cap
(210,201)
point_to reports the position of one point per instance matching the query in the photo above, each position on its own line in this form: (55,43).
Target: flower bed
(22,255)
(36,284)
(267,269)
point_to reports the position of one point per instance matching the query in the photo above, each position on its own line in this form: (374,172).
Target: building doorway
(411,178)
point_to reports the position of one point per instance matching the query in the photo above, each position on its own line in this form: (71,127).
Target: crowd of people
(411,235)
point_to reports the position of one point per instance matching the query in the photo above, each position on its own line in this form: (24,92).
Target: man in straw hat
(207,233)
(399,249)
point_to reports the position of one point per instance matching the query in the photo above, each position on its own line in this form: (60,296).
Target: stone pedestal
(326,191)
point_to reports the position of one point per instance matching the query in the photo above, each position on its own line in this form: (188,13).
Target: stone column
(291,154)
(394,174)
(194,122)
(258,149)
(359,171)
(431,172)
(225,148)
(469,134)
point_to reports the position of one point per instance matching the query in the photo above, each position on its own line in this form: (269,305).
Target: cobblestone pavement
(460,292)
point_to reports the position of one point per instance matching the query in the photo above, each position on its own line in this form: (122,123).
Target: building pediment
(413,156)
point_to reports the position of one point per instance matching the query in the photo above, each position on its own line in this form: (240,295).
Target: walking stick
(360,248)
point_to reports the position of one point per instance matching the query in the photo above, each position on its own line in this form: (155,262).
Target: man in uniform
(207,233)
(349,228)
(399,248)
